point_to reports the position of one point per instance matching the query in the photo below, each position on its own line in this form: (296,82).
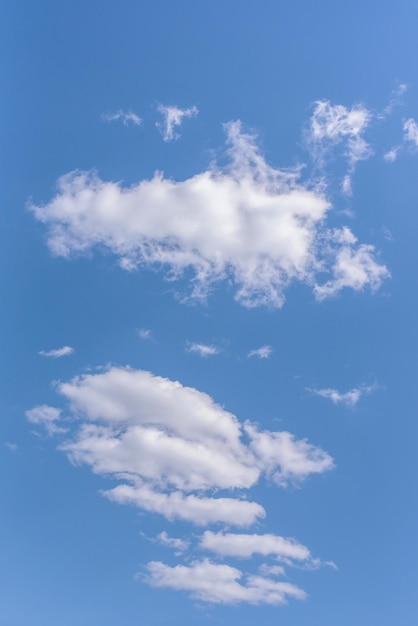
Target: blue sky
(209,376)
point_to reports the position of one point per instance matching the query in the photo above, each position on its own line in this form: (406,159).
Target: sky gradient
(209,366)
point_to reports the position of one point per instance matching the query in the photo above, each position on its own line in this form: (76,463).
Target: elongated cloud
(245,546)
(202,349)
(349,398)
(58,353)
(262,353)
(220,584)
(126,117)
(248,222)
(172,447)
(172,119)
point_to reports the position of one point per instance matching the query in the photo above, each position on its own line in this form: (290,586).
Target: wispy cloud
(206,223)
(145,333)
(349,398)
(395,100)
(262,353)
(180,545)
(202,349)
(58,353)
(13,447)
(47,417)
(410,129)
(334,125)
(172,119)
(126,117)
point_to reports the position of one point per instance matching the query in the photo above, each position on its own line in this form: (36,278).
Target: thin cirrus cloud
(58,353)
(126,117)
(251,224)
(349,398)
(172,119)
(202,349)
(262,353)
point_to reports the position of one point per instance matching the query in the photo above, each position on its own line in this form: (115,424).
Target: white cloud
(126,117)
(145,333)
(391,155)
(247,545)
(202,349)
(172,119)
(333,125)
(395,100)
(354,267)
(195,508)
(56,354)
(272,570)
(46,416)
(410,129)
(248,223)
(350,398)
(171,447)
(172,542)
(13,447)
(263,353)
(219,584)
(285,459)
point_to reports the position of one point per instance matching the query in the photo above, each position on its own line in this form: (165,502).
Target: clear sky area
(208,225)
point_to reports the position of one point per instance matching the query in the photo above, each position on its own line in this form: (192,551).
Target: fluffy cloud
(126,117)
(219,584)
(350,398)
(172,447)
(285,459)
(172,118)
(202,349)
(263,353)
(248,222)
(59,352)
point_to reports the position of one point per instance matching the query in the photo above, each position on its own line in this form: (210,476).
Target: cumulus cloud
(56,354)
(220,584)
(172,119)
(334,125)
(172,447)
(46,416)
(350,398)
(248,223)
(202,349)
(126,117)
(262,353)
